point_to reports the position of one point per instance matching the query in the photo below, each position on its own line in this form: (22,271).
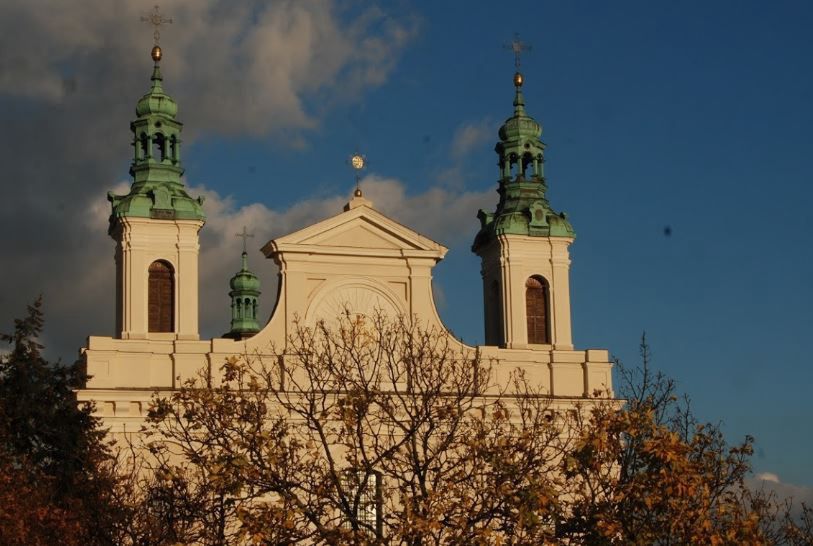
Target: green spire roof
(157,191)
(245,282)
(245,293)
(156,101)
(523,208)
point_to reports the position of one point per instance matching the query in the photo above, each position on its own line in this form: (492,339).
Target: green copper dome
(157,191)
(156,101)
(245,280)
(520,126)
(523,208)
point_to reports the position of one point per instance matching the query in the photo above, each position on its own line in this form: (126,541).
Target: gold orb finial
(357,193)
(155,53)
(518,80)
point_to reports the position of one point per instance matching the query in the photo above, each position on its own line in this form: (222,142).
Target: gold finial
(518,80)
(357,193)
(156,20)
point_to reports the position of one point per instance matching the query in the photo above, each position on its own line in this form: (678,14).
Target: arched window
(145,146)
(173,148)
(516,165)
(537,309)
(161,297)
(527,161)
(159,147)
(248,308)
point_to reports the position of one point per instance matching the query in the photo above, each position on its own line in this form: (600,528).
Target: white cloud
(239,67)
(767,477)
(469,136)
(448,216)
(783,491)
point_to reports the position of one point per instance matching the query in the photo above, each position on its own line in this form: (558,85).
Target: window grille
(363,492)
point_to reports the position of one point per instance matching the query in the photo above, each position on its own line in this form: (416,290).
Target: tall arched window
(161,297)
(144,144)
(173,148)
(537,309)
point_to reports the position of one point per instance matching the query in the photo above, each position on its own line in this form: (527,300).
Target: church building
(358,259)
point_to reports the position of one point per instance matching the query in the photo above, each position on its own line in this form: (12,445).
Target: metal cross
(245,235)
(517,46)
(156,19)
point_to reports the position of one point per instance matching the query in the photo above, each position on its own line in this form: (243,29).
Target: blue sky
(692,115)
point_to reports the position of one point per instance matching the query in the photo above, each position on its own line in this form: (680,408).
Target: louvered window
(161,299)
(536,309)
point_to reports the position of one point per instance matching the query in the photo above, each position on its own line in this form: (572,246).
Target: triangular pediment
(358,235)
(361,228)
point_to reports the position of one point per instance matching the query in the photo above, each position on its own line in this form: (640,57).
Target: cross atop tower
(517,46)
(156,20)
(245,235)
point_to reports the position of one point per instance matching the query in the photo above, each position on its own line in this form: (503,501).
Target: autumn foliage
(373,431)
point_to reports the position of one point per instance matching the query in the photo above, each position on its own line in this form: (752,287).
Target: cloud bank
(783,491)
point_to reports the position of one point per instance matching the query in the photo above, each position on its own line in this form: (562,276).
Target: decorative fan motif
(353,301)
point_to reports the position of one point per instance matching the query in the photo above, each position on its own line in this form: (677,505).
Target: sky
(691,115)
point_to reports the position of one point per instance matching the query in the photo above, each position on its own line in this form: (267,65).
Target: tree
(386,432)
(651,474)
(54,482)
(372,431)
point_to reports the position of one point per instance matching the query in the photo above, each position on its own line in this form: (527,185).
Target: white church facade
(358,259)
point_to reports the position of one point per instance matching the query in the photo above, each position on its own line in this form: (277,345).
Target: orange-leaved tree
(378,431)
(372,431)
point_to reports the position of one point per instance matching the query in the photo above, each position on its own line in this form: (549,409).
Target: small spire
(156,79)
(357,163)
(519,98)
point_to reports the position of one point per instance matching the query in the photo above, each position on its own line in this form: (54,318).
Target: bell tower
(156,227)
(523,244)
